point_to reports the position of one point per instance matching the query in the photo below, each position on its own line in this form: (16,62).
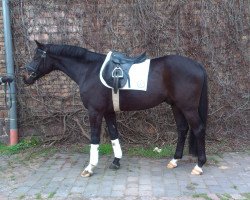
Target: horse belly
(155,94)
(139,100)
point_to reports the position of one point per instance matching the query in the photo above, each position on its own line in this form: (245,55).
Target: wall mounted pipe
(10,71)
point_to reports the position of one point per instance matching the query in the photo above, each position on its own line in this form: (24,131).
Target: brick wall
(213,33)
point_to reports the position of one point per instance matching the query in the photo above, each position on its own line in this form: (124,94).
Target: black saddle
(122,59)
(116,72)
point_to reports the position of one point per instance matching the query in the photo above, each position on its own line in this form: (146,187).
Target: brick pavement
(139,178)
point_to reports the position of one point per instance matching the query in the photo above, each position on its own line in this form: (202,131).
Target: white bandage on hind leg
(117,148)
(174,161)
(199,169)
(94,156)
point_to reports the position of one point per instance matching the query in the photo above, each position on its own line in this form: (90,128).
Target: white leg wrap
(172,164)
(174,161)
(90,168)
(94,155)
(197,170)
(117,148)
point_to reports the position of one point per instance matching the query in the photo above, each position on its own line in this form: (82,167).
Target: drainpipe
(10,71)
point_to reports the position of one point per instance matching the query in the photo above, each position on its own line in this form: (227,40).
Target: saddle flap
(112,71)
(115,71)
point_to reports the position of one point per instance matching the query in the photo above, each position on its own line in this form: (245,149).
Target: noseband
(34,68)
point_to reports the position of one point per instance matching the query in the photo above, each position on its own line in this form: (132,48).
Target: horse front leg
(95,119)
(110,119)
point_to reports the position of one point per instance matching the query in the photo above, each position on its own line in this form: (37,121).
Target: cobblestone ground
(58,177)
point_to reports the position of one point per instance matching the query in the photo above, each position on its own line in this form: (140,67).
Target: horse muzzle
(29,76)
(27,79)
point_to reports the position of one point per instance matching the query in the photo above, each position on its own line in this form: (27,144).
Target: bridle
(34,68)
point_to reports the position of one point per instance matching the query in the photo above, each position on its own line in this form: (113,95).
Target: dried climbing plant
(215,33)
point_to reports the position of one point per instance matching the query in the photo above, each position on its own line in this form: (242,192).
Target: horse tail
(203,106)
(203,112)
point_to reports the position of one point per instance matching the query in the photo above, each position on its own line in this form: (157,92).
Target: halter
(33,68)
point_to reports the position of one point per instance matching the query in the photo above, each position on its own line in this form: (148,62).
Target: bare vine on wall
(215,34)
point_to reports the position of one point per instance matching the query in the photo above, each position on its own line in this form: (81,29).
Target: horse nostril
(25,75)
(27,79)
(22,73)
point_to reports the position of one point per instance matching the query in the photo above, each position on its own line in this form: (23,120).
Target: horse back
(173,79)
(176,65)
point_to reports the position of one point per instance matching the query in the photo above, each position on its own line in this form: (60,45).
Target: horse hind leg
(110,119)
(198,130)
(182,129)
(193,149)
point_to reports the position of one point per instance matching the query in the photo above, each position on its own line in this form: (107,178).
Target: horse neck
(79,69)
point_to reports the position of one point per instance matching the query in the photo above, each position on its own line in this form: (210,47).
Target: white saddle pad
(138,74)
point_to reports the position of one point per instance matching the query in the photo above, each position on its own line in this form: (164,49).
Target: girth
(116,72)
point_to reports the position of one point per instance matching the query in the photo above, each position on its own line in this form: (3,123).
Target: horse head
(39,65)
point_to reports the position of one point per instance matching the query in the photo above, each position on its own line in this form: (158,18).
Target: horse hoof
(196,172)
(113,166)
(86,174)
(171,165)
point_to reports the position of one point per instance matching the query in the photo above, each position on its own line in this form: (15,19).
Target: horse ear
(38,44)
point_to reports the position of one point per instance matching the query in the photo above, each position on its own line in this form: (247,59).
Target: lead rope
(8,101)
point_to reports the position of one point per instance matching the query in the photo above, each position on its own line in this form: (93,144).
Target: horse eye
(36,57)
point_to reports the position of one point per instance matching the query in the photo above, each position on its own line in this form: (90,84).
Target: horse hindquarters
(190,96)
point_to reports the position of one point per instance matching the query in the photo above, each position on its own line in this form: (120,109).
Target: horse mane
(67,50)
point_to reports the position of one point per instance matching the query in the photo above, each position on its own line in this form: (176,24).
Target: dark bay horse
(177,80)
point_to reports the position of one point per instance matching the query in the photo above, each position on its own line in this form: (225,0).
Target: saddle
(116,72)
